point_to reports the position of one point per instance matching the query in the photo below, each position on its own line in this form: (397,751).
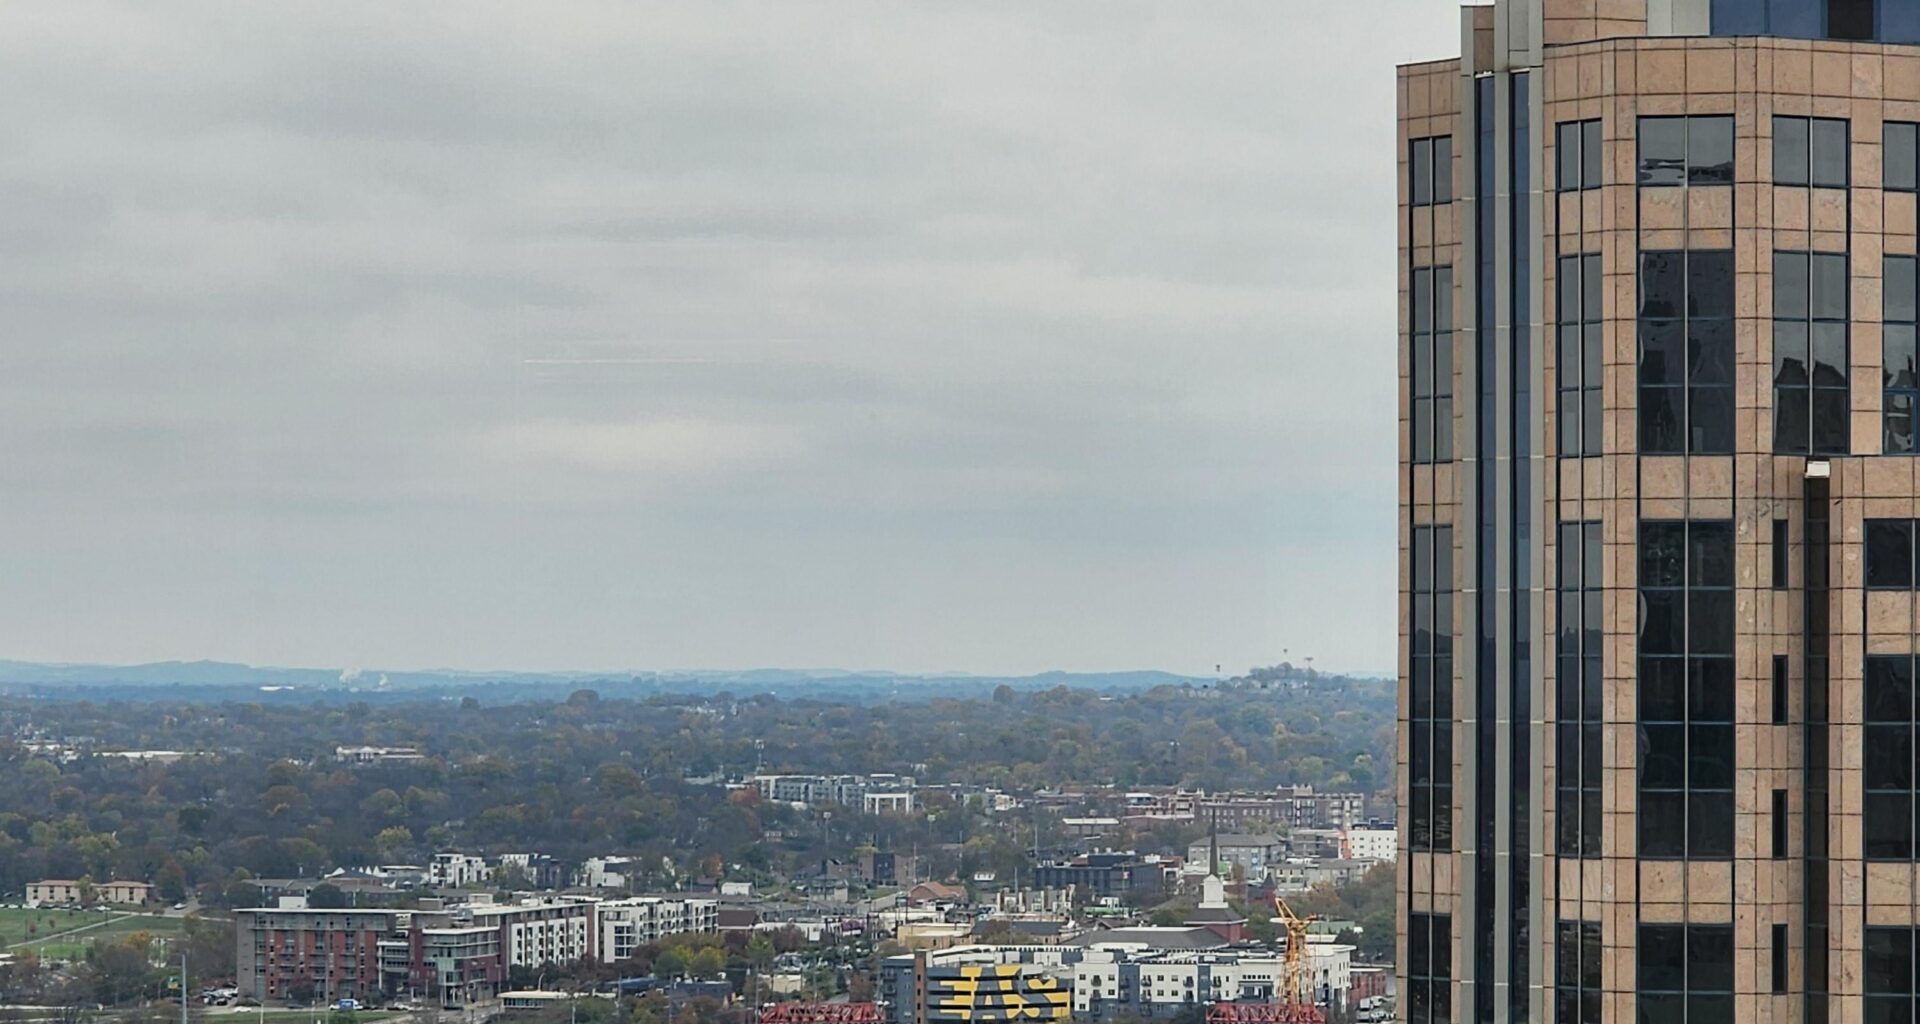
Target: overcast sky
(958,336)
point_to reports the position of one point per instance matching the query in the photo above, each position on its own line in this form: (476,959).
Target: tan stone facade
(1595,60)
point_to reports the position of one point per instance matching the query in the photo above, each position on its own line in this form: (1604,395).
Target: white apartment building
(1131,981)
(378,755)
(457,869)
(537,934)
(626,925)
(887,803)
(607,873)
(1373,844)
(845,790)
(1165,983)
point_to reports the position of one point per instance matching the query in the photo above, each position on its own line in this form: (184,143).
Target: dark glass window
(1779,689)
(1779,823)
(1578,368)
(1577,151)
(1810,151)
(1779,551)
(1899,381)
(1686,973)
(1810,370)
(1429,968)
(1850,19)
(1576,972)
(1888,815)
(1686,150)
(1779,972)
(1900,151)
(1430,170)
(1577,669)
(1686,352)
(1431,313)
(1430,683)
(1686,689)
(1888,966)
(1890,554)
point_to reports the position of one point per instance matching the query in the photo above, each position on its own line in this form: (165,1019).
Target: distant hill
(230,680)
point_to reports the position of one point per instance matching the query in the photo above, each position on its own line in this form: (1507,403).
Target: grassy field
(59,933)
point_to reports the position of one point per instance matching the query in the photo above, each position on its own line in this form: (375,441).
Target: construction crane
(1293,1003)
(1294,987)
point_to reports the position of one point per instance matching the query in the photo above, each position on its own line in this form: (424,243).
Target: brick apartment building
(456,954)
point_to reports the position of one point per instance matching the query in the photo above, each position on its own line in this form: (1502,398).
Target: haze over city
(990,338)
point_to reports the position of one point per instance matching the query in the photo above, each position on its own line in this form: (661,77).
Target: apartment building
(59,891)
(456,870)
(1373,844)
(895,792)
(1251,853)
(1657,392)
(607,873)
(294,950)
(535,934)
(458,955)
(540,870)
(1115,874)
(378,755)
(1295,806)
(626,925)
(1113,982)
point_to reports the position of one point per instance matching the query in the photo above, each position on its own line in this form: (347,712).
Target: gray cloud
(994,336)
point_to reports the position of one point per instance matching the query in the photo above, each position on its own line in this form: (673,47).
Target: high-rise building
(1658,502)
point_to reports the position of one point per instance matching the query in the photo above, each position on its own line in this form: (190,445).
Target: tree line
(261,795)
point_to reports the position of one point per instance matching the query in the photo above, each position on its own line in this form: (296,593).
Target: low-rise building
(607,873)
(1250,852)
(1295,806)
(378,755)
(887,802)
(1116,874)
(1293,876)
(1090,827)
(57,891)
(845,790)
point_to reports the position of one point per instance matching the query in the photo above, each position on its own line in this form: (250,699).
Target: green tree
(118,969)
(393,839)
(709,963)
(171,881)
(670,964)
